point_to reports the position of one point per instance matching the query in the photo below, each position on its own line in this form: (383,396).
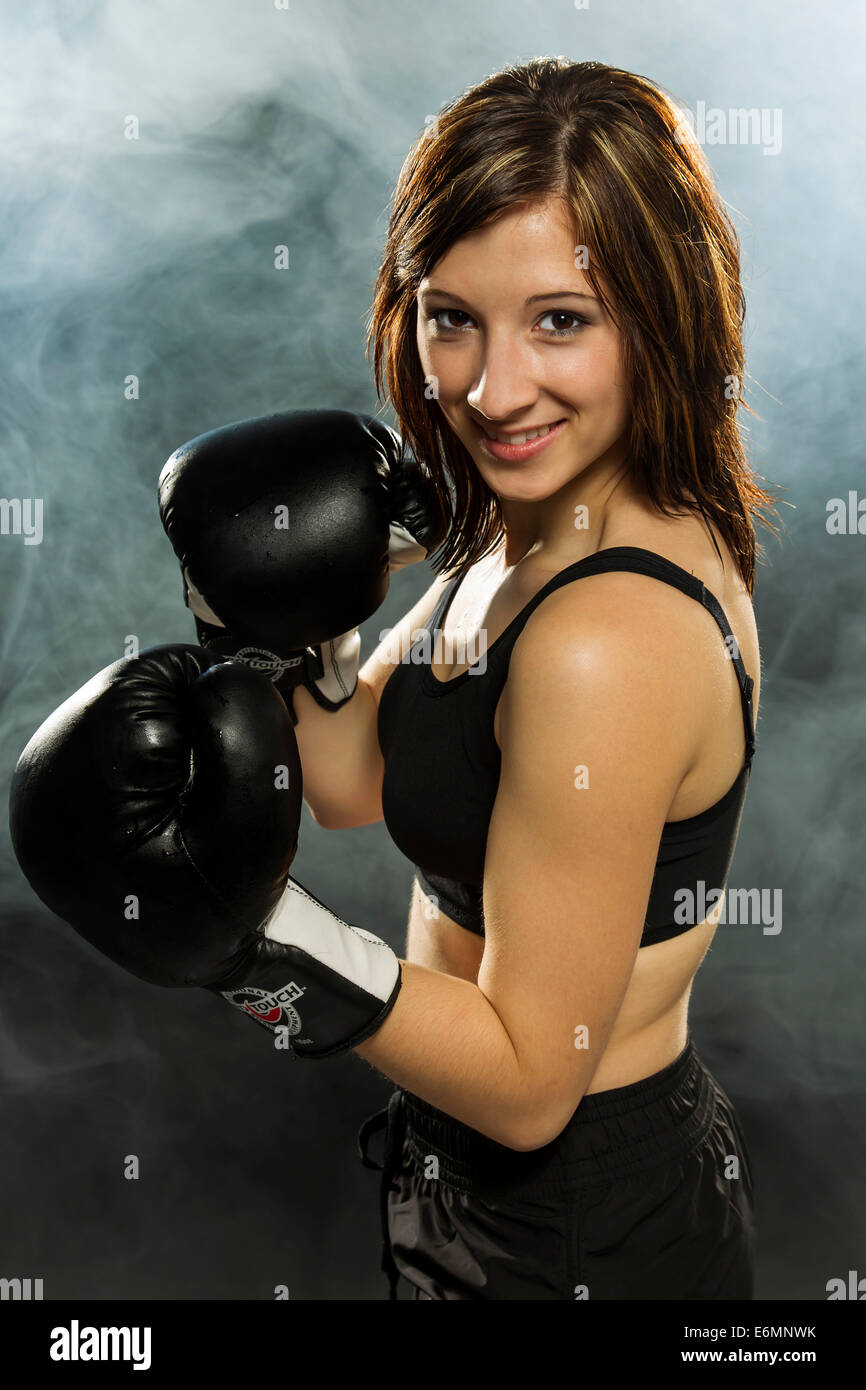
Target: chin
(524,484)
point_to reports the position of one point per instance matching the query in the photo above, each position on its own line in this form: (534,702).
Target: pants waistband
(611,1133)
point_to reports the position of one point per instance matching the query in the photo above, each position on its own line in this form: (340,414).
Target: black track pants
(646,1194)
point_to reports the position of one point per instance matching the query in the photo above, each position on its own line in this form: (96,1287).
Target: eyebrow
(533,299)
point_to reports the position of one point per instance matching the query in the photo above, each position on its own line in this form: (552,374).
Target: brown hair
(615,147)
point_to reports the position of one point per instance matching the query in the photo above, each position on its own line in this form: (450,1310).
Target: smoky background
(153,257)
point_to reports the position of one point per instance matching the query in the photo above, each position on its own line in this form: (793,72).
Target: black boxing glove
(157,812)
(287,528)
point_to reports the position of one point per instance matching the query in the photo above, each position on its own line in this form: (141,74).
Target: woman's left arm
(598,729)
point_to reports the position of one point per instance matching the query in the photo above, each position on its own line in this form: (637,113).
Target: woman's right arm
(340,754)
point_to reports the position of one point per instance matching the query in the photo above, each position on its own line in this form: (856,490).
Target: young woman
(558,322)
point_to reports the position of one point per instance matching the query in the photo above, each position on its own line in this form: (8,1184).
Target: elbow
(521,1135)
(537,1128)
(328,820)
(342,820)
(527,1140)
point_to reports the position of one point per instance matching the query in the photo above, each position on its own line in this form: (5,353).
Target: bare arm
(340,753)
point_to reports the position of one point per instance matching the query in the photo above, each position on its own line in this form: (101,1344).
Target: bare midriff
(651,1028)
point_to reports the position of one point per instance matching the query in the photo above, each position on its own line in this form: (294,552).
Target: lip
(515,453)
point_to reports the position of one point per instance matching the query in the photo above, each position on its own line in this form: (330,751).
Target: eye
(446,327)
(579,322)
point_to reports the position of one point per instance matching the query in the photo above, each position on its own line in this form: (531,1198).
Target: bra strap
(636,560)
(747,684)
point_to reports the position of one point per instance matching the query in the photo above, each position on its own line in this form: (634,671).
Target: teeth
(520,438)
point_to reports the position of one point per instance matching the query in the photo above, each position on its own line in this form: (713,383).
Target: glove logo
(272,1008)
(268,662)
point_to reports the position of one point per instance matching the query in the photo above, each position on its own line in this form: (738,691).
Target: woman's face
(515,340)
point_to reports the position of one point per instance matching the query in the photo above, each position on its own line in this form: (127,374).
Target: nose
(506,386)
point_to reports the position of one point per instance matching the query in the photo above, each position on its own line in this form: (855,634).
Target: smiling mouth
(523,438)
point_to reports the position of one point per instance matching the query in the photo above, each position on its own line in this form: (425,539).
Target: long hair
(616,148)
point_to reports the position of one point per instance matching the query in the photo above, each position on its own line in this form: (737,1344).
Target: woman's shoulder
(690,541)
(695,544)
(621,608)
(685,542)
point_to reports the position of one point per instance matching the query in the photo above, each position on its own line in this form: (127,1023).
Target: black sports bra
(442,763)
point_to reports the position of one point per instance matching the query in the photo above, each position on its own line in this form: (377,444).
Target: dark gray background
(155,257)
